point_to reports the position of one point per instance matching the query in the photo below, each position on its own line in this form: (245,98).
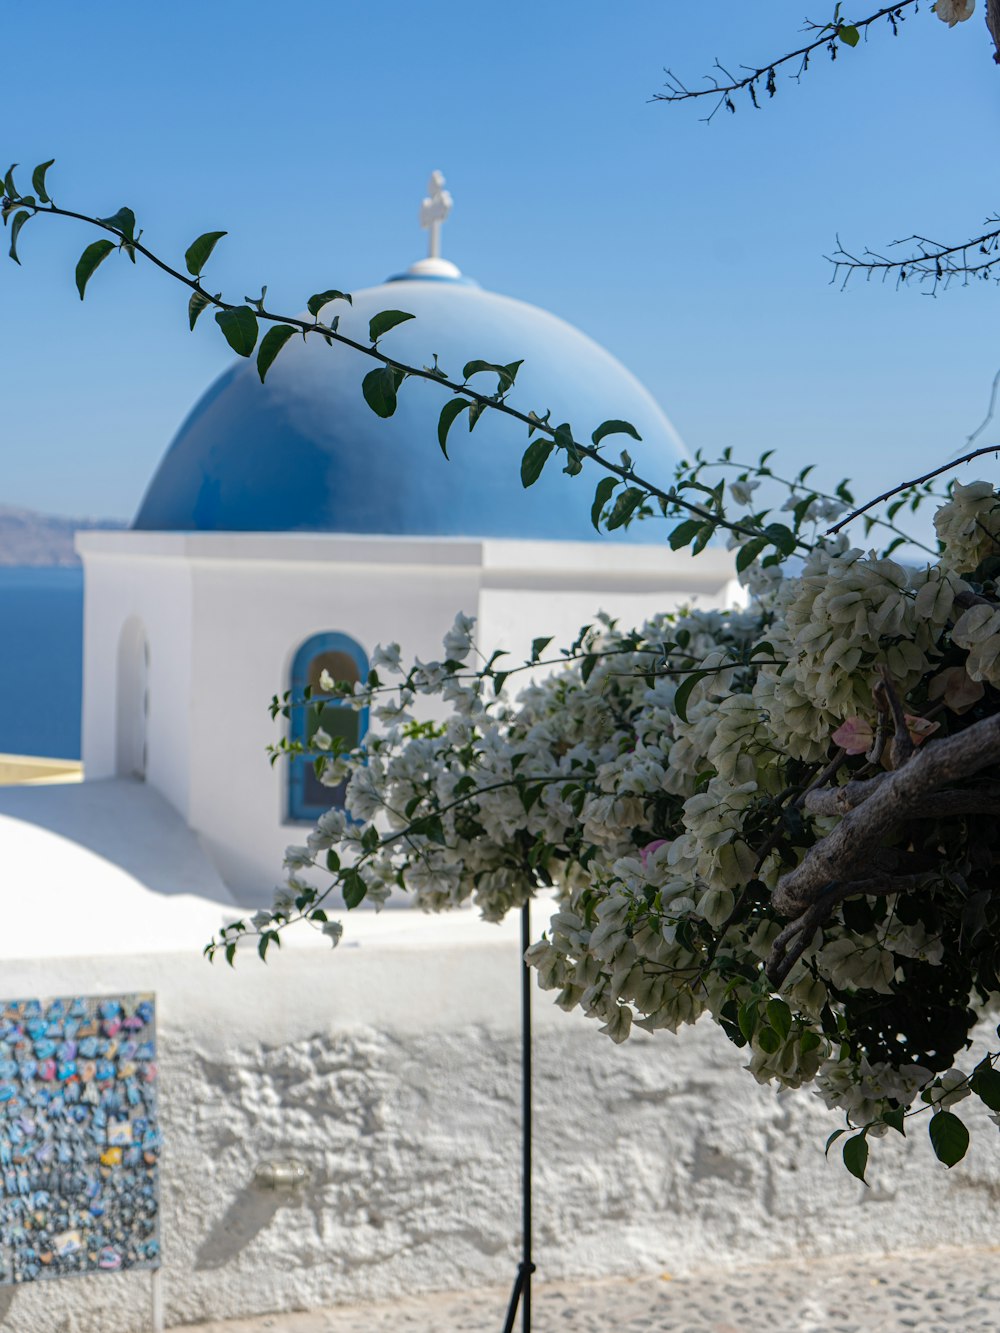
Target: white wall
(120,584)
(391,1069)
(225,612)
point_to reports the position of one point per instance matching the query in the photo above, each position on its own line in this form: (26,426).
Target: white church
(286,529)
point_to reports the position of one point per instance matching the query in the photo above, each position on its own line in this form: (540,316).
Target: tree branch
(793,941)
(850,847)
(931,261)
(831,36)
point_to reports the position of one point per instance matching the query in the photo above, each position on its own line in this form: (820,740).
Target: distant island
(28,538)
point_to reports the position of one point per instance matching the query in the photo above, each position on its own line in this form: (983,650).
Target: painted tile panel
(79,1136)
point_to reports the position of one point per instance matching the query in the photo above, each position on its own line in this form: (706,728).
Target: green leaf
(38,180)
(769,1041)
(949,1137)
(538,646)
(780,1017)
(9,188)
(196,305)
(832,1140)
(534,459)
(270,345)
(896,1119)
(476,410)
(705,534)
(452,409)
(123,221)
(380,387)
(574,461)
(601,497)
(197,254)
(385,321)
(848,34)
(94,254)
(684,532)
(316,303)
(431,828)
(332,861)
(353,888)
(985,1083)
(615,428)
(625,506)
(856,1156)
(781,537)
(15,227)
(747,1019)
(747,554)
(684,693)
(239,326)
(505,374)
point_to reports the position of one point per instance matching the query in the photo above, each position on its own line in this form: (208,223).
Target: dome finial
(433,211)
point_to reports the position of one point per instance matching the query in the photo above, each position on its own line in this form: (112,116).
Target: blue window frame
(344,659)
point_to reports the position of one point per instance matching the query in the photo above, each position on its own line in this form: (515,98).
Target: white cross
(433,211)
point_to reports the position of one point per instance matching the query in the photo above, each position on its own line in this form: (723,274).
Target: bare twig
(927,260)
(831,36)
(991,410)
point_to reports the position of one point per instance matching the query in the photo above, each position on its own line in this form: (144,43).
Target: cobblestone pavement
(944,1291)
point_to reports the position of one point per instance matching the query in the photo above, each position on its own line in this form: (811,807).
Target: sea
(41,660)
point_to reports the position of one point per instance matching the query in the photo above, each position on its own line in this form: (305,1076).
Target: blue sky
(694,252)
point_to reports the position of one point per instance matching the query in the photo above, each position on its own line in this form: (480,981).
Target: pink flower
(650,848)
(920,728)
(855,735)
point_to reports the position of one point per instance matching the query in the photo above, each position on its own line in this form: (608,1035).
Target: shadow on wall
(246,1217)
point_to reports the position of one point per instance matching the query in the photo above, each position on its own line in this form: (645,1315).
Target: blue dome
(304,453)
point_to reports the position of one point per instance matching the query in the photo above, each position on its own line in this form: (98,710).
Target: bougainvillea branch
(240,324)
(903,487)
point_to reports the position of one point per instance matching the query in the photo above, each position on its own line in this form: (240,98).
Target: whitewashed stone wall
(391,1069)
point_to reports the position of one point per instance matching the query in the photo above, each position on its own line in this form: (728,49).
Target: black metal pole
(521,1295)
(526,1260)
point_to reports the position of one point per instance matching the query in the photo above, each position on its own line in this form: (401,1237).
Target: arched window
(344,659)
(132,702)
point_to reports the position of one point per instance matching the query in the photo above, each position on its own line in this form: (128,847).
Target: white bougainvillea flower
(387,658)
(333,930)
(954,11)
